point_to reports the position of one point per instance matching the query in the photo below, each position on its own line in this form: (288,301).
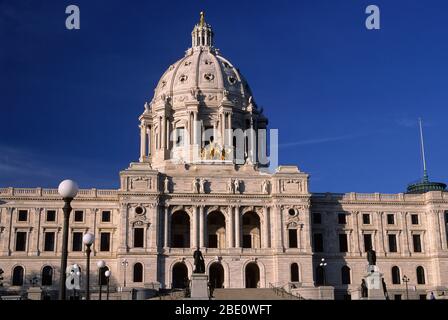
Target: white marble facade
(255,228)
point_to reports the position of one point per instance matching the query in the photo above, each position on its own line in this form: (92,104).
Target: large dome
(198,105)
(203,71)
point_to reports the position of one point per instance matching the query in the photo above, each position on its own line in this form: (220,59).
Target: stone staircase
(252,294)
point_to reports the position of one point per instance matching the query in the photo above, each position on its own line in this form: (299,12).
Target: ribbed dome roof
(203,71)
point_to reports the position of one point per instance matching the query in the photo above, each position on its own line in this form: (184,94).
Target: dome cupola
(202,34)
(199,92)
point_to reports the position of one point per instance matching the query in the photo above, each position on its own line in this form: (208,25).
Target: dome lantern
(202,34)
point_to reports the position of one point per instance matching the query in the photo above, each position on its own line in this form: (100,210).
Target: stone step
(247,294)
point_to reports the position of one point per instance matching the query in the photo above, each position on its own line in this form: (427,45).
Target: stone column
(166,224)
(7,232)
(379,224)
(306,230)
(163,133)
(149,137)
(123,229)
(237,227)
(265,227)
(143,137)
(405,243)
(442,224)
(153,226)
(300,238)
(92,228)
(229,126)
(202,227)
(168,133)
(195,127)
(252,155)
(196,229)
(278,227)
(28,240)
(229,228)
(34,246)
(356,242)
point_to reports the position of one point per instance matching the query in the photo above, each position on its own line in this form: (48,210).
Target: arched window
(102,279)
(294,272)
(345,275)
(320,276)
(420,275)
(396,275)
(138,272)
(47,276)
(17,276)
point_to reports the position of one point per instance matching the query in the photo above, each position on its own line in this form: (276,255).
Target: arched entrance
(216,273)
(179,276)
(216,226)
(252,275)
(180,230)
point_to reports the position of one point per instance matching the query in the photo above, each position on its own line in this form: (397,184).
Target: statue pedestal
(34,293)
(199,286)
(374,284)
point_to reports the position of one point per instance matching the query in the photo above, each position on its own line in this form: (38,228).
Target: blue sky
(345,99)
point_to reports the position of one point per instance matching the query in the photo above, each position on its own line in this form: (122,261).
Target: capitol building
(201,182)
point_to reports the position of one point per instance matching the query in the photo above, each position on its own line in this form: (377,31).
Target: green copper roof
(425,186)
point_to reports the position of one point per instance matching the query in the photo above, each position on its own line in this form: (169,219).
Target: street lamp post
(323,264)
(100,264)
(406,280)
(88,240)
(68,189)
(107,274)
(124,263)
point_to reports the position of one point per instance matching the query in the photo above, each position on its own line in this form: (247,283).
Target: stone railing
(39,192)
(370,197)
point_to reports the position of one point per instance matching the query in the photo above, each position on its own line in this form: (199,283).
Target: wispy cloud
(26,168)
(412,123)
(318,140)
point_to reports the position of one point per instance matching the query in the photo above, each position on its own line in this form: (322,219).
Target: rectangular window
(51,215)
(397,297)
(417,243)
(366,218)
(392,243)
(79,216)
(49,241)
(422,296)
(21,241)
(390,218)
(342,218)
(138,237)
(247,241)
(367,242)
(23,215)
(77,241)
(343,244)
(414,218)
(317,218)
(105,241)
(293,238)
(318,242)
(213,241)
(105,216)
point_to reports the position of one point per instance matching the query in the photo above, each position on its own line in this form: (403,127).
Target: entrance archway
(216,273)
(252,275)
(179,276)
